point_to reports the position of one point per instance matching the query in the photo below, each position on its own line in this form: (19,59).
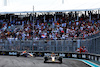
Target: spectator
(85,50)
(81,49)
(63,28)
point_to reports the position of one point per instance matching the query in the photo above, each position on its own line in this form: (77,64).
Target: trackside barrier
(95,57)
(13,53)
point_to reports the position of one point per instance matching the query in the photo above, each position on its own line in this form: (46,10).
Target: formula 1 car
(53,58)
(25,54)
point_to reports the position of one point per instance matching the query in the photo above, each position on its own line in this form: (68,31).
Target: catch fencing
(92,45)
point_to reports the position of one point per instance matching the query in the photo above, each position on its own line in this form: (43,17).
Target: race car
(25,54)
(52,58)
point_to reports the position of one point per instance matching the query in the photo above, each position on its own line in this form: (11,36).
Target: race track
(13,61)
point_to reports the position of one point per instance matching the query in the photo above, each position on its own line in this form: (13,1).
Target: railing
(92,45)
(87,56)
(95,35)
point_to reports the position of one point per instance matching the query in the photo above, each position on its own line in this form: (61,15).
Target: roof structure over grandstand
(48,5)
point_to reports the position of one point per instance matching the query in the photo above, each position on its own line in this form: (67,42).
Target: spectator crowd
(62,28)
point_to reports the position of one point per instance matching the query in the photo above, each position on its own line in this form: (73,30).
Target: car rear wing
(50,54)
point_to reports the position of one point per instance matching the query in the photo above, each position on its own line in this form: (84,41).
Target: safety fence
(92,45)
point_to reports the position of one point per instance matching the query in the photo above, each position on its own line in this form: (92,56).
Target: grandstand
(55,28)
(58,25)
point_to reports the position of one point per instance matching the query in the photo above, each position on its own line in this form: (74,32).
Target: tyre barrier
(87,56)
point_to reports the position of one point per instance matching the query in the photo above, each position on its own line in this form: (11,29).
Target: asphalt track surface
(13,61)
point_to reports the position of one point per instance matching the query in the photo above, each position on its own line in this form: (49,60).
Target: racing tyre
(60,59)
(18,54)
(45,59)
(34,55)
(25,55)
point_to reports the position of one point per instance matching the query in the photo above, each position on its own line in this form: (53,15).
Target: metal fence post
(20,44)
(78,43)
(95,45)
(72,45)
(62,45)
(56,45)
(50,46)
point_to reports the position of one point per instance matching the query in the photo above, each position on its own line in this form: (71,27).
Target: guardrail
(87,56)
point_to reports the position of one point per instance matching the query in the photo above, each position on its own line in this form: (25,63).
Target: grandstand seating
(63,28)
